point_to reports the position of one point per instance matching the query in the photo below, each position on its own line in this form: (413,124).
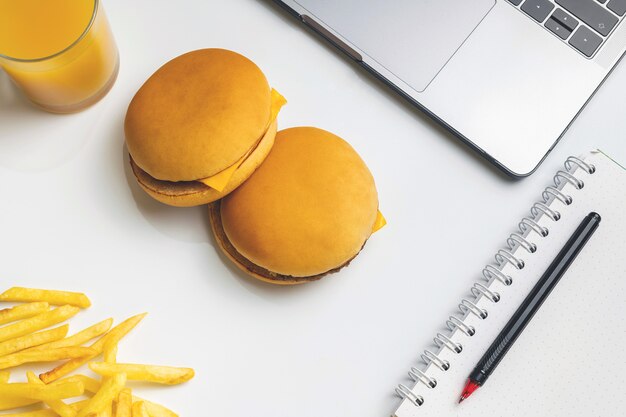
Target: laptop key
(618,6)
(592,13)
(565,19)
(558,29)
(585,40)
(537,9)
(515,2)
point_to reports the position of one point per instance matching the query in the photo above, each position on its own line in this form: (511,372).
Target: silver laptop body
(506,76)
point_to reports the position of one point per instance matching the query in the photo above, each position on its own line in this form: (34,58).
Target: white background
(72,217)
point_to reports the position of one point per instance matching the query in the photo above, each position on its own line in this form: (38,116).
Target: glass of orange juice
(61,53)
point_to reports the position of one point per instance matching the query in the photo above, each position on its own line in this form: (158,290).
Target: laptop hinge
(310,22)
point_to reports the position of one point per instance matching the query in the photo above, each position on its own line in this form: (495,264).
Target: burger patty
(170,188)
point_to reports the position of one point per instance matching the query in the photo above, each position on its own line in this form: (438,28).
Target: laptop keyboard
(583,24)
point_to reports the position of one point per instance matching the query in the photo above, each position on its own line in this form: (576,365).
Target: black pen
(531,304)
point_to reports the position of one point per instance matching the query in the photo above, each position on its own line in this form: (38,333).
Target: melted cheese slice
(278,101)
(220,180)
(379,223)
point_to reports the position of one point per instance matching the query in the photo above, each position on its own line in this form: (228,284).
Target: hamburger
(306,212)
(200,126)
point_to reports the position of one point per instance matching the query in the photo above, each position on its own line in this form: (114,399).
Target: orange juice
(61,53)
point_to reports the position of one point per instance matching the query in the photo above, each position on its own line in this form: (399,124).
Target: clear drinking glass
(60,53)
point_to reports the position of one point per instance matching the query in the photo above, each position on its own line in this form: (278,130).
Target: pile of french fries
(26,337)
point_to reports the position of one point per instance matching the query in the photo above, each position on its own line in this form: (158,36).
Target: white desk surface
(73,218)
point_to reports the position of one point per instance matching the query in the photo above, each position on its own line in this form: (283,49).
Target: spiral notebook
(571,359)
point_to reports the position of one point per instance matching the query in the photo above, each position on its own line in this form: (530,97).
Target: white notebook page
(571,359)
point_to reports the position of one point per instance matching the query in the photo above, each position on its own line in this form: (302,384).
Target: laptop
(506,76)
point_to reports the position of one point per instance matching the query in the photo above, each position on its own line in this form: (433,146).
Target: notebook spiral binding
(492,272)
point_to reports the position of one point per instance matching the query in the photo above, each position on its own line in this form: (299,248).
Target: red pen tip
(470,387)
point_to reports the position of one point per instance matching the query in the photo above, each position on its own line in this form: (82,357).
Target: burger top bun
(305,212)
(197,115)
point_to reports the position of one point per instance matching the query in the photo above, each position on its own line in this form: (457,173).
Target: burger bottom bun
(194,193)
(248,266)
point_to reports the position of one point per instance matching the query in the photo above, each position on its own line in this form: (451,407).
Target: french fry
(22,311)
(42,392)
(79,404)
(107,412)
(109,353)
(167,375)
(46,412)
(156,410)
(38,322)
(79,338)
(124,403)
(37,413)
(116,334)
(52,297)
(58,406)
(34,339)
(109,390)
(9,403)
(91,385)
(139,409)
(51,355)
